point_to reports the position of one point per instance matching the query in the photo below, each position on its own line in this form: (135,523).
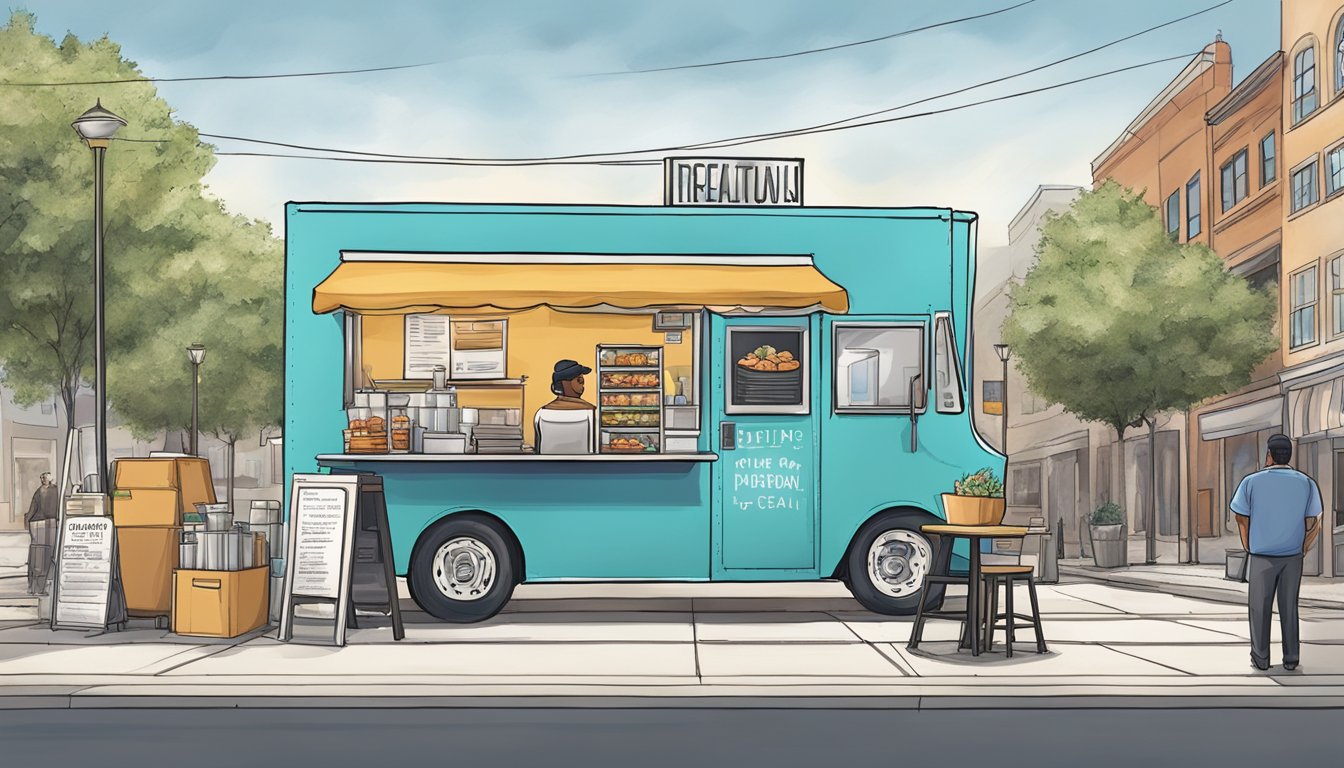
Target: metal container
(440,377)
(264,511)
(444,442)
(210,550)
(187,552)
(218,521)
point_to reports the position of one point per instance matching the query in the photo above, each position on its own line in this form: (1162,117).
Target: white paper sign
(427,344)
(320,519)
(85,572)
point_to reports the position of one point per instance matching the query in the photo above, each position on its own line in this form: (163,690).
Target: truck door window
(947,368)
(874,365)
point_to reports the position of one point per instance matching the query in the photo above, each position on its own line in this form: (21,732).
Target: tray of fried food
(767,358)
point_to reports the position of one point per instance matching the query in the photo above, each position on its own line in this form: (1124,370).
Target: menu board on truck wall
(427,344)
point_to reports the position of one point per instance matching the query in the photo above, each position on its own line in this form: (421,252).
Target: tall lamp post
(197,354)
(96,127)
(1004,354)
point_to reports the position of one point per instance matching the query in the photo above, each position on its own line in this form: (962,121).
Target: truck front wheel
(462,570)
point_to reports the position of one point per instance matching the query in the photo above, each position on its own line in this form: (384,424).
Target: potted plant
(1106,526)
(977,499)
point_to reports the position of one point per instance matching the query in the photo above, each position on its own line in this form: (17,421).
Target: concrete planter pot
(1110,545)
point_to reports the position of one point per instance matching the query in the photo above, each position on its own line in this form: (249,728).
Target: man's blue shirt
(1278,500)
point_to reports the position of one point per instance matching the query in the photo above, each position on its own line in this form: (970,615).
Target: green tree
(178,267)
(1118,323)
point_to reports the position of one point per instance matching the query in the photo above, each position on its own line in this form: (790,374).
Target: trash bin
(1236,565)
(1047,567)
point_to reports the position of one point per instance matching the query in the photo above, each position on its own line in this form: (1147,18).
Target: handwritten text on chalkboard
(773,479)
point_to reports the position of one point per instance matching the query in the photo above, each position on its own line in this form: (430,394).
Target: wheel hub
(464,569)
(898,561)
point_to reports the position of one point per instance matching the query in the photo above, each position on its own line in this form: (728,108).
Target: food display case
(630,399)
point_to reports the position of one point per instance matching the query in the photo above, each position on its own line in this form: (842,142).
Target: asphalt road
(595,738)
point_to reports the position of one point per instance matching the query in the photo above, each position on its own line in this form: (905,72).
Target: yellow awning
(397,287)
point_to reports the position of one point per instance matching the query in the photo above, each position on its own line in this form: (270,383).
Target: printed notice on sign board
(426,344)
(320,519)
(86,564)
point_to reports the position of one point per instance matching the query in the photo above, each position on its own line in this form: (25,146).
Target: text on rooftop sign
(732,181)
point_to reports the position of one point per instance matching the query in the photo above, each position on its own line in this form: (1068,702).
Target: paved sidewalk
(1204,582)
(700,645)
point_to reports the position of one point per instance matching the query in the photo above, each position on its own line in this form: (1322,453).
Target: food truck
(636,393)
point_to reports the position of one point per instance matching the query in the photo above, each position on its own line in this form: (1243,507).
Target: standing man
(1279,513)
(43,515)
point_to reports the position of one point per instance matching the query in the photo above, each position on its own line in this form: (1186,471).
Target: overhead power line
(810,51)
(219,77)
(736,140)
(370,157)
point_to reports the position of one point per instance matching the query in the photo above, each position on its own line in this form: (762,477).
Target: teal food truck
(636,393)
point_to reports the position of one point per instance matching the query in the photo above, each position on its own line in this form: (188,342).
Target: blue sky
(512,82)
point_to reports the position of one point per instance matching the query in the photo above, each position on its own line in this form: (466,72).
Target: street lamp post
(1004,354)
(96,127)
(196,352)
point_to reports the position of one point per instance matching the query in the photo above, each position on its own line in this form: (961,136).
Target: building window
(1174,215)
(1304,186)
(1234,180)
(1334,170)
(1337,296)
(1024,486)
(1268,168)
(1302,320)
(1192,208)
(1304,84)
(1339,56)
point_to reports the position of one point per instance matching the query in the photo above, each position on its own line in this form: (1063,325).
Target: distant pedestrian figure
(1279,513)
(43,515)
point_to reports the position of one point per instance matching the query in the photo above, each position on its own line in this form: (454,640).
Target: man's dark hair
(1280,449)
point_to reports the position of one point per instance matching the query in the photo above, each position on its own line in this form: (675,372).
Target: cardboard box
(220,603)
(148,558)
(188,475)
(156,507)
(144,473)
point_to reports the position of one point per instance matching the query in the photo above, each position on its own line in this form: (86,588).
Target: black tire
(860,580)
(426,580)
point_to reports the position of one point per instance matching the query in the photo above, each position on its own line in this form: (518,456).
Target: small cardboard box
(145,473)
(145,506)
(220,603)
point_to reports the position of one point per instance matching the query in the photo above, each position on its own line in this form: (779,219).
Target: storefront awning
(1242,420)
(384,284)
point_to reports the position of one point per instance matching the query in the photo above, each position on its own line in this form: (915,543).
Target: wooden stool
(1010,575)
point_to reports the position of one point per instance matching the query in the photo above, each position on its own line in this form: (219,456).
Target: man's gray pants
(1268,576)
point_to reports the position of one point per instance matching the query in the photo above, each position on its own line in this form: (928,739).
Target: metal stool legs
(1010,615)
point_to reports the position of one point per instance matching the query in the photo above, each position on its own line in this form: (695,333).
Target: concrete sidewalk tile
(522,627)
(834,660)
(771,627)
(1134,630)
(873,628)
(42,634)
(944,660)
(1237,630)
(1236,659)
(138,658)
(1141,602)
(598,659)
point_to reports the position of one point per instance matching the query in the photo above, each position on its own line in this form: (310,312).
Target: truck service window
(874,365)
(947,367)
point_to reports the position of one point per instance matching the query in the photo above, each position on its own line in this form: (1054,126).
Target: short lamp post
(1004,354)
(197,354)
(96,127)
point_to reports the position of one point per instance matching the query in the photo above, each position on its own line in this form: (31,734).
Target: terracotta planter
(973,510)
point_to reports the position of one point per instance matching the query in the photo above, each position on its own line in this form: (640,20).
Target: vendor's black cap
(568,369)
(1279,441)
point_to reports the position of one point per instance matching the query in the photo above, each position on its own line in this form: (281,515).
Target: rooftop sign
(738,181)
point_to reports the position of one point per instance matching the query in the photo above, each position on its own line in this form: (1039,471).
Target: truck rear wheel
(462,570)
(887,563)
